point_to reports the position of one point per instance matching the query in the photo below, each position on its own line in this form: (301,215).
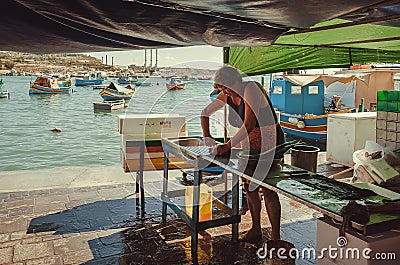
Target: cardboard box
(384,243)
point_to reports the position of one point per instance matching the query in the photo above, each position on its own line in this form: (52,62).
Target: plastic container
(305,157)
(205,202)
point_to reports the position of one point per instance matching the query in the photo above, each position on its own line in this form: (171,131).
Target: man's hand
(221,149)
(209,141)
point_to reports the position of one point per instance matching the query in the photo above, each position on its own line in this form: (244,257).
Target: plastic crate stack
(388,119)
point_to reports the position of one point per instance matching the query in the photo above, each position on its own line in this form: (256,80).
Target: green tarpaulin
(327,48)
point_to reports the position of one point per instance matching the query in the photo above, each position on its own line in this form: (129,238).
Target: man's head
(227,77)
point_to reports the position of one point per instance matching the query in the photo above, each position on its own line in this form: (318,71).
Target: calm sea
(87,138)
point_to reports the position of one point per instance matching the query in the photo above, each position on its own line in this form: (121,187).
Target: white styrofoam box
(391,116)
(391,136)
(384,243)
(390,145)
(380,134)
(381,124)
(391,126)
(348,132)
(152,126)
(381,115)
(381,142)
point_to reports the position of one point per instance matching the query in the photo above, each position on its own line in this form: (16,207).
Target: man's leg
(254,235)
(273,206)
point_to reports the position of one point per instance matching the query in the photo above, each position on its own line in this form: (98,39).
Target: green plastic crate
(393,95)
(381,106)
(382,95)
(392,106)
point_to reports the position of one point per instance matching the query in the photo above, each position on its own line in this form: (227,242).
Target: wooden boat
(116,92)
(175,84)
(4,93)
(90,80)
(291,96)
(109,105)
(125,80)
(300,101)
(47,85)
(100,86)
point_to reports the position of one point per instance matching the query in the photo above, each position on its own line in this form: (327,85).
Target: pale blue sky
(205,57)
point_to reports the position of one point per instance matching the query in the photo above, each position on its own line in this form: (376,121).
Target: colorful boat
(125,80)
(300,102)
(90,80)
(47,85)
(175,84)
(305,101)
(116,92)
(4,93)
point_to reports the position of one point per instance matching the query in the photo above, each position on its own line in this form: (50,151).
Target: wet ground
(104,225)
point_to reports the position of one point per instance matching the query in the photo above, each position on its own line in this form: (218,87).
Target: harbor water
(87,138)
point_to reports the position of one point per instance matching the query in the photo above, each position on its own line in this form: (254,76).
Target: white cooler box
(142,127)
(348,132)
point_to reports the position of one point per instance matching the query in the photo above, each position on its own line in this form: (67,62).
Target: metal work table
(287,180)
(182,148)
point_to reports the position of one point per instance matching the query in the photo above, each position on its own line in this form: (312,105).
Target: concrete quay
(91,215)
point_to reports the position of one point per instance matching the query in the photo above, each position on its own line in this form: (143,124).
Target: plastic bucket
(305,157)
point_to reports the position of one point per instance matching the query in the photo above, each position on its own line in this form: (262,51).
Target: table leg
(235,205)
(195,212)
(165,187)
(141,169)
(225,176)
(137,190)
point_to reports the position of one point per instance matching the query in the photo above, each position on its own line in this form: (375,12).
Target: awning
(344,79)
(302,80)
(59,26)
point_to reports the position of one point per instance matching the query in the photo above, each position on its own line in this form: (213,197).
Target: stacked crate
(388,119)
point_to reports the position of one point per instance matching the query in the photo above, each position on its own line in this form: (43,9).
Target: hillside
(64,63)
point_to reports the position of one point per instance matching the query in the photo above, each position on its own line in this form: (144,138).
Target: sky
(203,57)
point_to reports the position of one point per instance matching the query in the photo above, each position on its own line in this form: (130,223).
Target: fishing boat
(47,85)
(115,92)
(175,84)
(125,80)
(4,93)
(109,105)
(305,101)
(90,80)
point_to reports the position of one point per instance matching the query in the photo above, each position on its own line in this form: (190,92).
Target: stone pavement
(99,223)
(103,225)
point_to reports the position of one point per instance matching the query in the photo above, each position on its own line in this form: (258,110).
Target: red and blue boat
(47,85)
(300,102)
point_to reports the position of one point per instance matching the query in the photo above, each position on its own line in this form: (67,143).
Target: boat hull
(107,95)
(109,105)
(36,89)
(175,87)
(4,94)
(316,135)
(311,128)
(90,82)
